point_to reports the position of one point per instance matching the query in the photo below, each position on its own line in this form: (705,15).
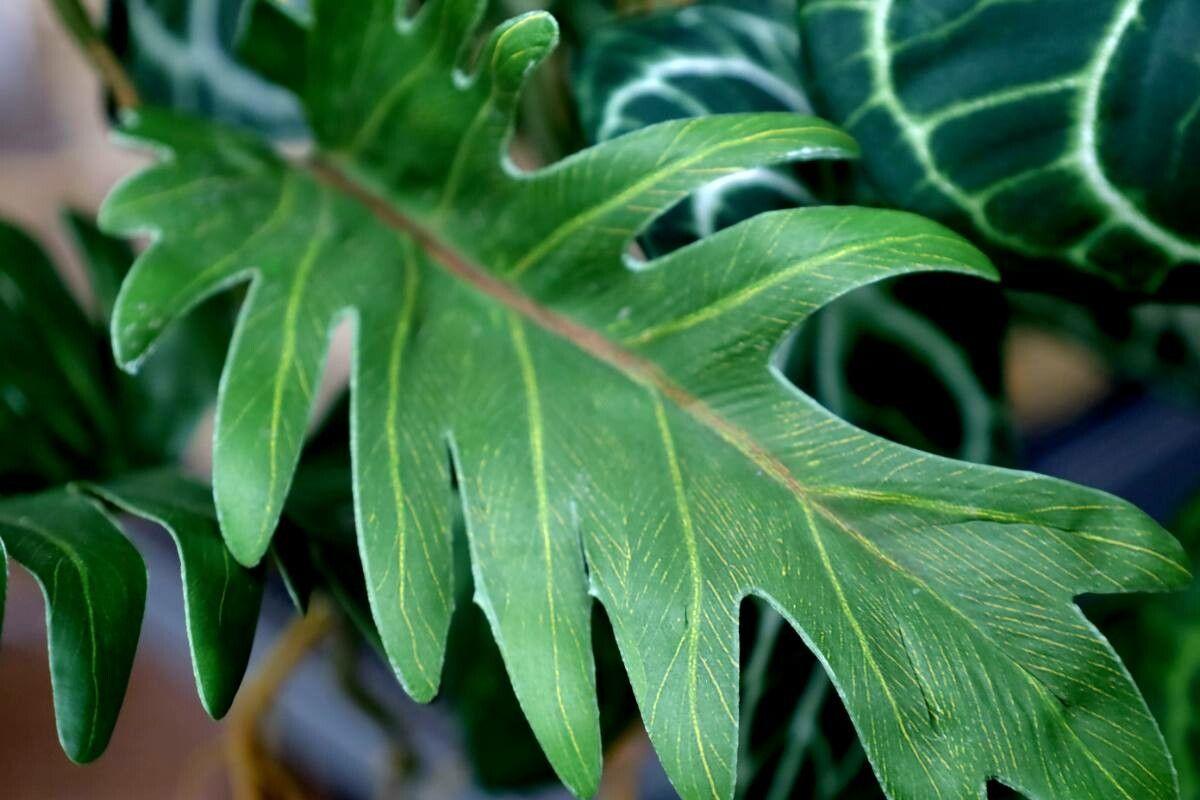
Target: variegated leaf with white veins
(976,111)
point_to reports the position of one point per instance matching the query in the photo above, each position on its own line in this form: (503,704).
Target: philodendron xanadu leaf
(976,111)
(618,438)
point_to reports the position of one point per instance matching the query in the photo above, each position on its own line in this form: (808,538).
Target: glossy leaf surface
(95,587)
(94,582)
(616,438)
(976,112)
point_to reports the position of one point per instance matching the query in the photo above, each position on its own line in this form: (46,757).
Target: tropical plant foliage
(182,55)
(58,389)
(973,111)
(890,357)
(617,438)
(1160,637)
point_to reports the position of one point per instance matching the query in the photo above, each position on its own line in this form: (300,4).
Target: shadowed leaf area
(67,414)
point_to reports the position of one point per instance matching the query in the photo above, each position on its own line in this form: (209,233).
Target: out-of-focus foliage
(1060,131)
(69,415)
(182,54)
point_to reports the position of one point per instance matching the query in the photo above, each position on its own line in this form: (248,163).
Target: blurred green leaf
(56,416)
(976,112)
(182,54)
(1156,344)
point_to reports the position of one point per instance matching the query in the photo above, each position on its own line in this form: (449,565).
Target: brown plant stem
(108,67)
(253,772)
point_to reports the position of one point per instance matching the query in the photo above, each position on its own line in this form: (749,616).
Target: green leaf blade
(95,587)
(221,598)
(616,436)
(53,371)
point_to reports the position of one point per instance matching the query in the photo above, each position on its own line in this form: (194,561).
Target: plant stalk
(112,74)
(253,773)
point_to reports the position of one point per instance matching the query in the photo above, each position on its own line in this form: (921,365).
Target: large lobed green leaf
(1058,129)
(614,437)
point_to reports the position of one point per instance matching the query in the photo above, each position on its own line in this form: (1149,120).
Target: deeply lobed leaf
(616,436)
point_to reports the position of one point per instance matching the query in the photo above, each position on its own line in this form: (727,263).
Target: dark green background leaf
(94,582)
(182,55)
(975,112)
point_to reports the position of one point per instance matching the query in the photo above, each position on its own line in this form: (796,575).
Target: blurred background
(1111,400)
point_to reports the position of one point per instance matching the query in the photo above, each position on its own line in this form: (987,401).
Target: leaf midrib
(643,371)
(639,370)
(649,375)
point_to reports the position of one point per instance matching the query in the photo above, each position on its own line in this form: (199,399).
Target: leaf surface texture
(614,436)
